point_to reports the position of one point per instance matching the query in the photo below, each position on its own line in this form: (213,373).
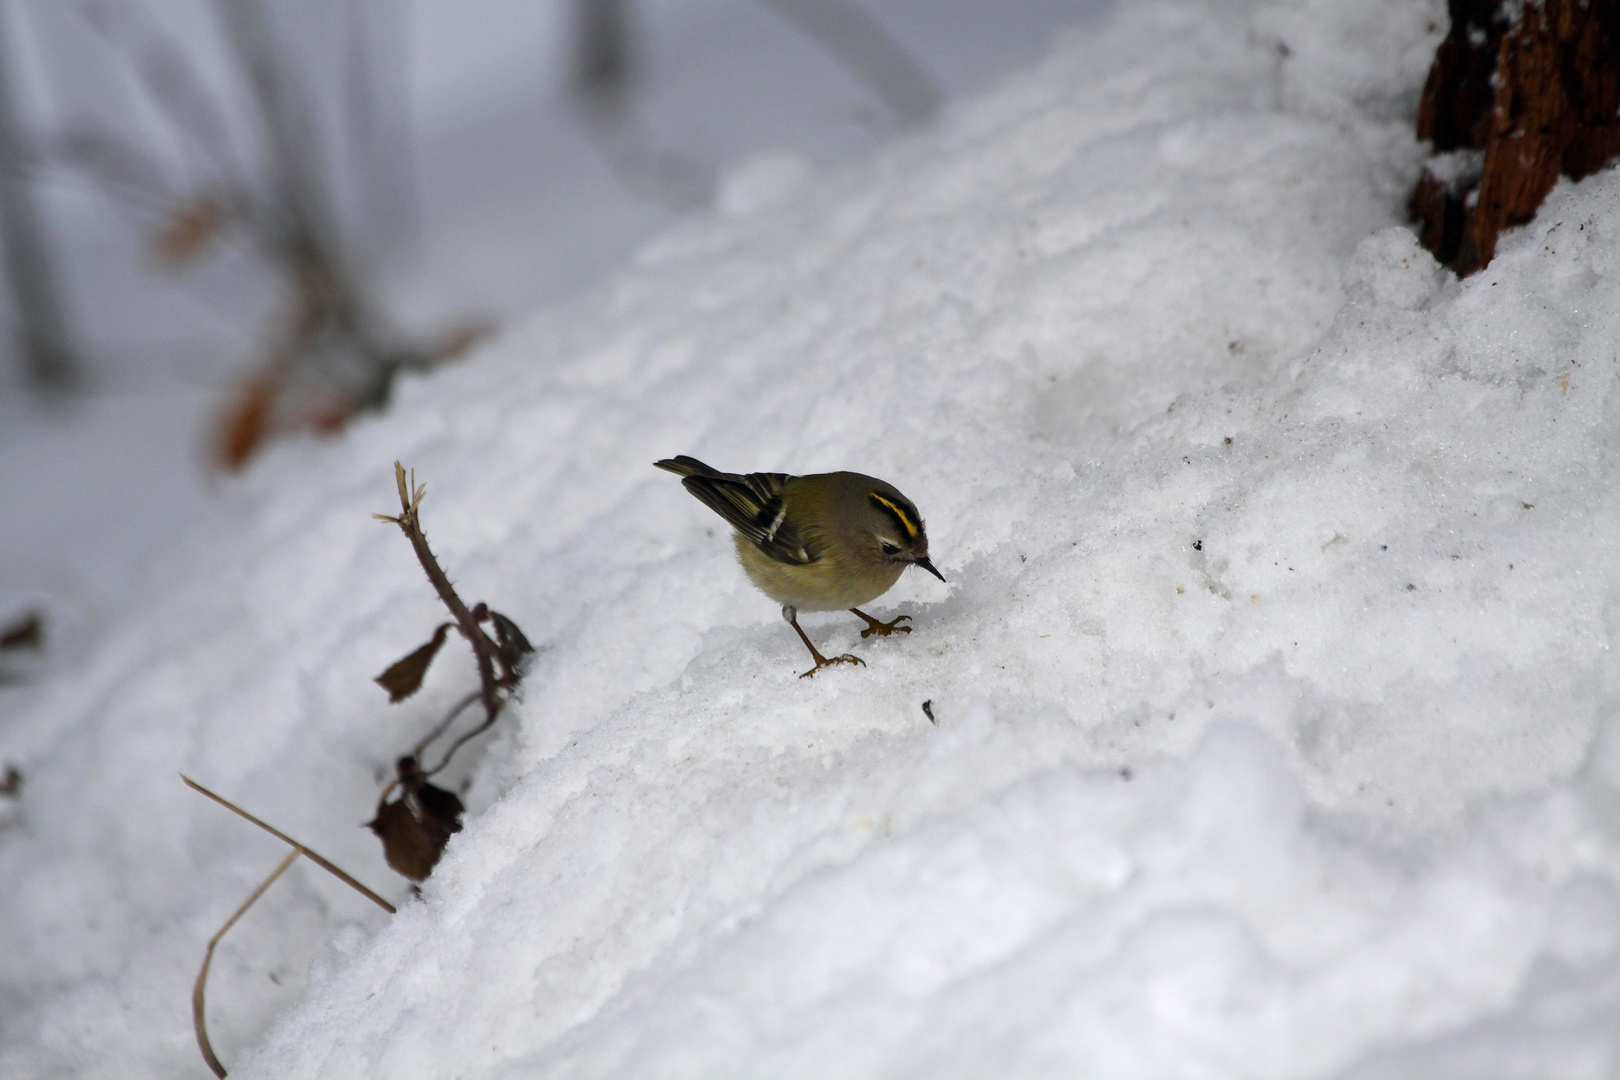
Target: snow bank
(1277,730)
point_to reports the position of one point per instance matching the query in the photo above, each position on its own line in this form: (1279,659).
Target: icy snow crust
(1275,692)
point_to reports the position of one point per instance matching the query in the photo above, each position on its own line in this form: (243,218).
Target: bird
(823,542)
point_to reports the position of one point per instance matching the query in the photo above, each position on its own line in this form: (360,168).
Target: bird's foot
(829,661)
(882,629)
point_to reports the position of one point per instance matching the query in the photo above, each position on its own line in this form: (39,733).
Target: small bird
(815,543)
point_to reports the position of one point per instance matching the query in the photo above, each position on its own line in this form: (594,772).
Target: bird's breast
(823,585)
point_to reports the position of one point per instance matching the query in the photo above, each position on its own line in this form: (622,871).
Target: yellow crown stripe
(905,519)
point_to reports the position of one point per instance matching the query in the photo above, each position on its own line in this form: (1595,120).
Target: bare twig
(313,856)
(444,725)
(415,828)
(198,1018)
(410,501)
(457,745)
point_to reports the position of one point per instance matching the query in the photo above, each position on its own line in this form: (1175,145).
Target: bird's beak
(928,566)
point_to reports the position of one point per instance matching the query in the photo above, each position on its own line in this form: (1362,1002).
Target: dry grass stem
(198,1013)
(313,856)
(198,1018)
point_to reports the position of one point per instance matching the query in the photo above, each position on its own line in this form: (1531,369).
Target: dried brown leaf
(27,632)
(189,229)
(513,646)
(415,827)
(244,424)
(406,844)
(404,676)
(440,808)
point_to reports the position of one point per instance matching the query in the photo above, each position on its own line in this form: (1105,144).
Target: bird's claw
(884,629)
(829,661)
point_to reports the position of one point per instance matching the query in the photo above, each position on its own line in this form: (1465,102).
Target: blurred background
(228,221)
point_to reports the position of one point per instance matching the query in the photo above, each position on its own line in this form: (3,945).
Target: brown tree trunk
(1540,97)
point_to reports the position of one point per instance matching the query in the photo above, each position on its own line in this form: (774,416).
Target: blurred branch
(296,146)
(336,344)
(376,90)
(605,72)
(606,68)
(25,634)
(649,170)
(300,211)
(192,112)
(604,63)
(49,362)
(112,161)
(859,42)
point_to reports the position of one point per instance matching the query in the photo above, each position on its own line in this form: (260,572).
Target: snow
(1275,697)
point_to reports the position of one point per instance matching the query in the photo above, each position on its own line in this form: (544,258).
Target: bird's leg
(791,614)
(881,629)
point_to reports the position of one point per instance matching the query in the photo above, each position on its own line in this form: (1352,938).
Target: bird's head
(896,529)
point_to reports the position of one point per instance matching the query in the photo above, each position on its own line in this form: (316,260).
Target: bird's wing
(753,506)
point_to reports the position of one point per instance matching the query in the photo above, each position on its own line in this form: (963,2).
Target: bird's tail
(684,466)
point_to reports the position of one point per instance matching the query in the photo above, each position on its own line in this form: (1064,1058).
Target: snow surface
(1277,709)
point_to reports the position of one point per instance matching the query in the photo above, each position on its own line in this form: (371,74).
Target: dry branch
(410,502)
(415,827)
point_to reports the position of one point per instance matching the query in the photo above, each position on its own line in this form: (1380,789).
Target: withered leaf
(27,632)
(440,808)
(11,784)
(415,827)
(404,678)
(514,647)
(406,845)
(189,228)
(247,422)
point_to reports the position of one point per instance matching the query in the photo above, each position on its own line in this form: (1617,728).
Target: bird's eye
(890,549)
